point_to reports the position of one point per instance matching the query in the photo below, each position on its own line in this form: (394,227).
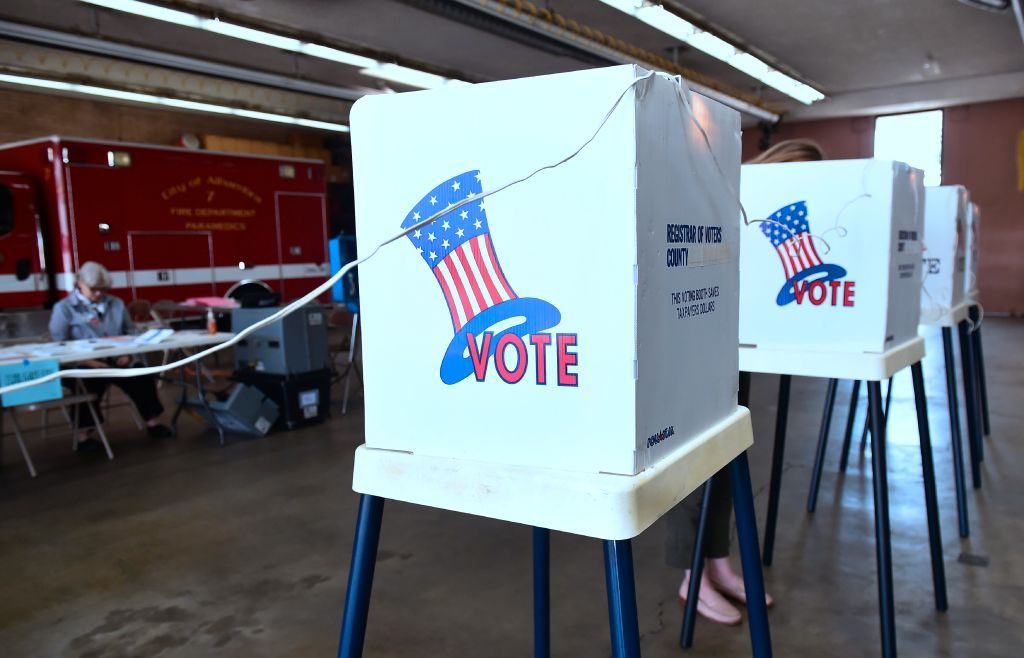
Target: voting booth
(552,341)
(830,259)
(971,253)
(945,239)
(583,319)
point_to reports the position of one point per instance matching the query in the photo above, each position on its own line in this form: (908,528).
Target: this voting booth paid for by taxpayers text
(830,275)
(560,352)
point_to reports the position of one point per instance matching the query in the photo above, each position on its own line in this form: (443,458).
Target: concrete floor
(182,548)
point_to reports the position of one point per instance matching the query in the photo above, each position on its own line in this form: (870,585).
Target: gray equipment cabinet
(295,344)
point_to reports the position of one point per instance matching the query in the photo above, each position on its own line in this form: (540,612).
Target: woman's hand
(123,361)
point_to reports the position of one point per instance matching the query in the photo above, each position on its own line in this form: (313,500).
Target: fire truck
(169,223)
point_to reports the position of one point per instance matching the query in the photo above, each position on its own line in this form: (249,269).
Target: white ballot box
(945,242)
(971,253)
(582,319)
(830,260)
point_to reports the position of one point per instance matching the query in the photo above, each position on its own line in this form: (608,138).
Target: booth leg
(959,477)
(753,578)
(971,406)
(819,457)
(360,576)
(618,570)
(930,497)
(979,366)
(885,419)
(844,458)
(778,452)
(541,592)
(696,570)
(883,545)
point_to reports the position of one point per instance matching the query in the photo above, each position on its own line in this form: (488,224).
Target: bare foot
(710,604)
(719,572)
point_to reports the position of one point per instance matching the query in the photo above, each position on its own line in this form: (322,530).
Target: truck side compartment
(168,223)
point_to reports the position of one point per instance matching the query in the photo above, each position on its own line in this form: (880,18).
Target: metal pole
(930,497)
(775,484)
(971,406)
(696,570)
(883,545)
(844,459)
(955,438)
(753,578)
(819,457)
(541,592)
(618,570)
(360,576)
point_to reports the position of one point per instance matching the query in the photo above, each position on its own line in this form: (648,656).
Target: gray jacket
(74,319)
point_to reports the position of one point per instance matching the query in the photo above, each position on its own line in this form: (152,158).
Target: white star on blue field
(437,239)
(786,222)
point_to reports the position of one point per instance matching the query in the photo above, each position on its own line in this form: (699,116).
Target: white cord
(93,373)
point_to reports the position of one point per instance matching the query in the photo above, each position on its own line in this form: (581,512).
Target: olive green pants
(681,524)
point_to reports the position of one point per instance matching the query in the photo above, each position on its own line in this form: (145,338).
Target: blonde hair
(791,150)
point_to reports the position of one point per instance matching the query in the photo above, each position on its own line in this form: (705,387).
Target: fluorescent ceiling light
(665,21)
(149,99)
(407,76)
(367,65)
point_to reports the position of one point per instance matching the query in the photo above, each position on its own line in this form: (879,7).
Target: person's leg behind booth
(718,569)
(681,524)
(142,392)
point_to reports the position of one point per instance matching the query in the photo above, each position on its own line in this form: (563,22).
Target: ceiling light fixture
(673,25)
(149,99)
(367,65)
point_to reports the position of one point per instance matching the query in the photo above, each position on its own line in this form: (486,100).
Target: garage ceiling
(867,56)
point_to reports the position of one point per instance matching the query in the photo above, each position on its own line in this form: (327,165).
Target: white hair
(93,275)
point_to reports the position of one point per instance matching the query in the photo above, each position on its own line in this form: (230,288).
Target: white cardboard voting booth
(942,284)
(971,253)
(830,261)
(582,320)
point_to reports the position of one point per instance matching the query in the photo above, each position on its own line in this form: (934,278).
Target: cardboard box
(971,252)
(607,285)
(831,257)
(945,246)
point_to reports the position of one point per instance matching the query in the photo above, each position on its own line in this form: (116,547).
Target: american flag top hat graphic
(457,248)
(789,232)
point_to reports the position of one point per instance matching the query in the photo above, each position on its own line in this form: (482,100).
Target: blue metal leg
(753,578)
(541,592)
(696,571)
(360,576)
(618,571)
(979,367)
(930,497)
(844,458)
(819,457)
(971,406)
(697,561)
(959,477)
(778,453)
(883,545)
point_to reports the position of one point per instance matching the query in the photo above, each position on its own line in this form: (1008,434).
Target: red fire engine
(168,223)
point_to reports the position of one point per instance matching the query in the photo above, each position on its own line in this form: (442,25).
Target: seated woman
(89,312)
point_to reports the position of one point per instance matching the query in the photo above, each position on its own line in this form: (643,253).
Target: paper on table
(153,336)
